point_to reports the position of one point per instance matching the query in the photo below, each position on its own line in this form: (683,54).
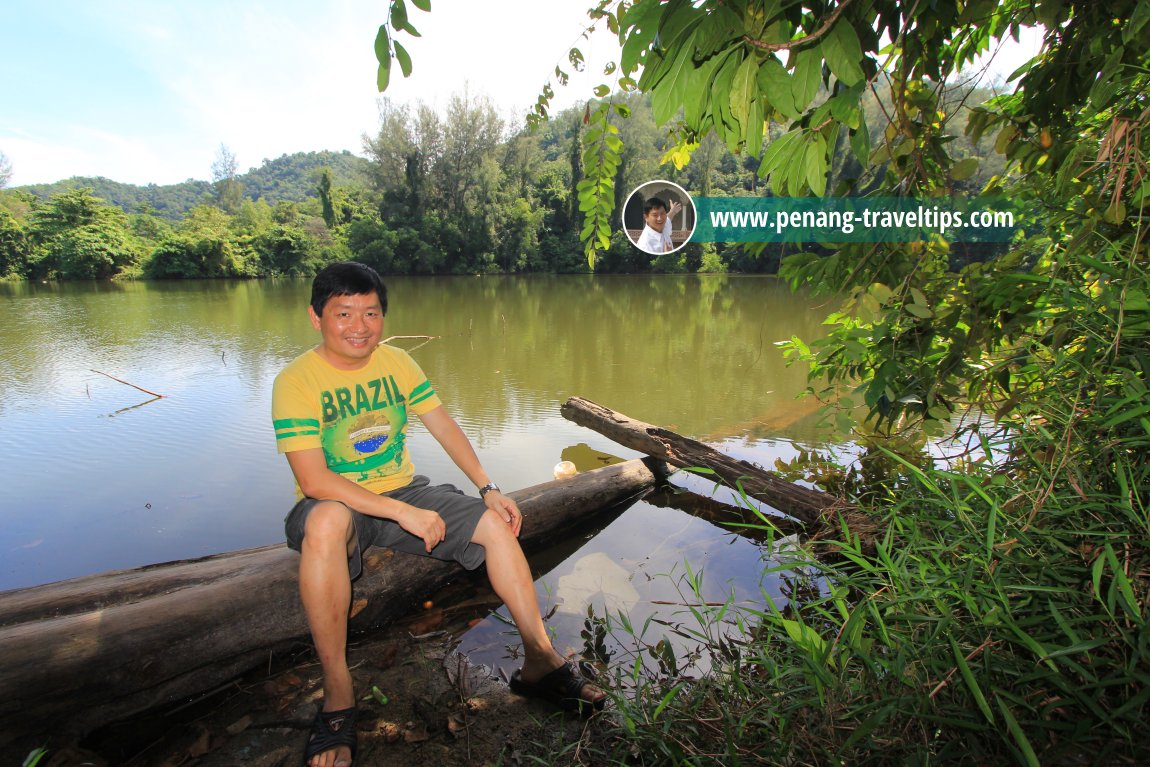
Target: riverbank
(420,702)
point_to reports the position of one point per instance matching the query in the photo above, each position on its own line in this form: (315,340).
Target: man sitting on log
(340,413)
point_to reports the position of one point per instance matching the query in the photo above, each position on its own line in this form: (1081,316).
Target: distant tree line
(456,192)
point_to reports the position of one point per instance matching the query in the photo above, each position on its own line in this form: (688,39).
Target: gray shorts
(460,513)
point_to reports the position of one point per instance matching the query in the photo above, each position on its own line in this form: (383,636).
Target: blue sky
(146,91)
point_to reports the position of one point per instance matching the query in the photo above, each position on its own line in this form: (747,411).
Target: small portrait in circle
(659,217)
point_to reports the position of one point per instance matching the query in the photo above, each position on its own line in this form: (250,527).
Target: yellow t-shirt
(359,417)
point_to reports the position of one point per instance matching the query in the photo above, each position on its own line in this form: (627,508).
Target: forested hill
(290,178)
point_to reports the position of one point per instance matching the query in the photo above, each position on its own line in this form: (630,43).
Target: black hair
(651,203)
(346,278)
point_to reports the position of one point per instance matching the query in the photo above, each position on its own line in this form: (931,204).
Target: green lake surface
(99,475)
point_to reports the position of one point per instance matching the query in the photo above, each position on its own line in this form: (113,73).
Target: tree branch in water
(119,380)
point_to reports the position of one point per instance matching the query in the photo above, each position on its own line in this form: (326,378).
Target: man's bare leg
(510,576)
(325,590)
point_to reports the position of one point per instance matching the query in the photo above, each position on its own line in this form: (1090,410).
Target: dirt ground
(420,703)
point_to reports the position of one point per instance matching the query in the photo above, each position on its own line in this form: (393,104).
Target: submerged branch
(425,339)
(120,380)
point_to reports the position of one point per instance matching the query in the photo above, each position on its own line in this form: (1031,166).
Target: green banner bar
(853,219)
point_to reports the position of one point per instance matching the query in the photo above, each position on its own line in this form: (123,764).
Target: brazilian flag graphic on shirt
(369,443)
(364,430)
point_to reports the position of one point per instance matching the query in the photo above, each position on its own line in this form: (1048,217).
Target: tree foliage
(287,178)
(227,188)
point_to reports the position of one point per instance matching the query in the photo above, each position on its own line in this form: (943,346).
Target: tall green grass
(1000,618)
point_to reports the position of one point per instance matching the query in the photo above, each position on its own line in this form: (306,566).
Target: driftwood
(85,652)
(809,506)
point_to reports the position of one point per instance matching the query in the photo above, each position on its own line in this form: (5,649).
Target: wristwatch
(487,488)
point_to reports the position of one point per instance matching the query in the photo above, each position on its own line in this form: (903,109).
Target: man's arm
(669,227)
(316,480)
(458,447)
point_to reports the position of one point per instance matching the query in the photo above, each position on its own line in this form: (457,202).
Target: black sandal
(562,687)
(330,730)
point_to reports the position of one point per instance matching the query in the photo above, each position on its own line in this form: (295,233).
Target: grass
(1000,618)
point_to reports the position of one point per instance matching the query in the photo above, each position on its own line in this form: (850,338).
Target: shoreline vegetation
(435,194)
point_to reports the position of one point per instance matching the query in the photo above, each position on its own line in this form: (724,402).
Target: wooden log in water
(811,507)
(85,652)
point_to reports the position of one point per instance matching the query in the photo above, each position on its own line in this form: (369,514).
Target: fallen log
(811,507)
(81,653)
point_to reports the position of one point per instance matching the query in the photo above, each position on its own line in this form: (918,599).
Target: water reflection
(649,572)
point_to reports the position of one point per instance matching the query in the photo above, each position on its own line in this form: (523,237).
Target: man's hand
(505,508)
(425,524)
(674,209)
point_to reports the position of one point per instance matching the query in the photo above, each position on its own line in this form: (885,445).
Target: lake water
(99,475)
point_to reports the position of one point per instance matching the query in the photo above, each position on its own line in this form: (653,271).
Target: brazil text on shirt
(345,402)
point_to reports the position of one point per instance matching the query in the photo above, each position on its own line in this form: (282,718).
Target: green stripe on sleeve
(285,422)
(289,434)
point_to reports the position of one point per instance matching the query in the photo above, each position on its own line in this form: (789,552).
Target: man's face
(351,328)
(656,217)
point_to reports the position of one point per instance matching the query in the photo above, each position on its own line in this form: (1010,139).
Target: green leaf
(35,756)
(1116,213)
(939,413)
(725,124)
(1099,266)
(1138,19)
(666,700)
(1019,736)
(423,5)
(383,47)
(755,128)
(774,82)
(843,52)
(918,310)
(815,164)
(860,144)
(695,106)
(776,153)
(383,75)
(881,292)
(403,58)
(398,15)
(640,23)
(971,682)
(807,77)
(575,56)
(743,89)
(964,169)
(670,84)
(601,91)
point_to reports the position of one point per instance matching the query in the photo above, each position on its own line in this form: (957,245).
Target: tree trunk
(82,653)
(809,506)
